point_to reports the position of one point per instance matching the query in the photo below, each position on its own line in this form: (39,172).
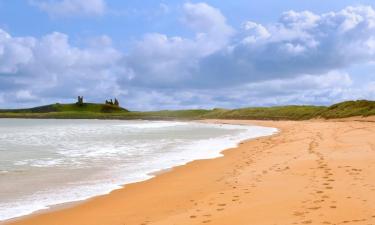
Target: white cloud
(210,25)
(24,95)
(57,8)
(294,49)
(254,32)
(14,52)
(299,43)
(299,20)
(159,60)
(163,59)
(53,67)
(205,18)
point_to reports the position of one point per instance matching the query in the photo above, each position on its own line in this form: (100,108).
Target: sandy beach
(312,172)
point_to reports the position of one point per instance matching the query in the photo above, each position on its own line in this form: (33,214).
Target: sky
(174,54)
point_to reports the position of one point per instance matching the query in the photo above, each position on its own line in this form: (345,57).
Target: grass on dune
(349,109)
(274,113)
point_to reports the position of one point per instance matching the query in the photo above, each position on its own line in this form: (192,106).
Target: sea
(48,162)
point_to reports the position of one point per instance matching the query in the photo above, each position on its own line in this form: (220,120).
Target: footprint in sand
(235,198)
(361,220)
(298,213)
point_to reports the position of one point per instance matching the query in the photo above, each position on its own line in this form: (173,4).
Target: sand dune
(313,172)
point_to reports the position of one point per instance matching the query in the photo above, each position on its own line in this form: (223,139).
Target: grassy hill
(85,107)
(274,113)
(349,109)
(103,111)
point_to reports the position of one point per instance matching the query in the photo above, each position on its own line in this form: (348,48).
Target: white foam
(48,162)
(44,200)
(154,124)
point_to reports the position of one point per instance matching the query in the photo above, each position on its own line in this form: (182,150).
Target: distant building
(80,100)
(111,102)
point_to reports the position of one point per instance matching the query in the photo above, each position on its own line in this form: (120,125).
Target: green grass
(101,111)
(348,109)
(84,108)
(263,113)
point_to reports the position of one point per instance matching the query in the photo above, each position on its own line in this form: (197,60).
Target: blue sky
(186,54)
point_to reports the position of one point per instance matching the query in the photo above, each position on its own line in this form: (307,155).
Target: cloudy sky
(186,54)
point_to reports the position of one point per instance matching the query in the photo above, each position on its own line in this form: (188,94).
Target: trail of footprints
(238,192)
(322,184)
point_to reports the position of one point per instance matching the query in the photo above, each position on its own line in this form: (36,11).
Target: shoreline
(151,175)
(217,187)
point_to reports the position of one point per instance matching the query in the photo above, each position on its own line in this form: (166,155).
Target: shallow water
(48,162)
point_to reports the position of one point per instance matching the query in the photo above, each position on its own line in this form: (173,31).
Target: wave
(153,124)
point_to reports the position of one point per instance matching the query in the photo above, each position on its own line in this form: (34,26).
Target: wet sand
(312,172)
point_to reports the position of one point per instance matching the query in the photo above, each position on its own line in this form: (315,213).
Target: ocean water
(49,162)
